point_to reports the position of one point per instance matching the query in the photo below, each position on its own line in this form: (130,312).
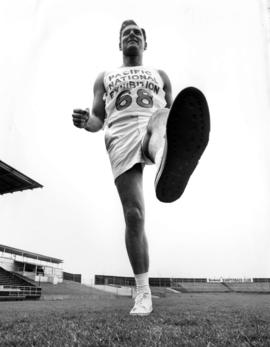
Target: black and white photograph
(135,173)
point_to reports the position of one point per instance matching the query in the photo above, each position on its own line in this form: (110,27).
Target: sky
(51,54)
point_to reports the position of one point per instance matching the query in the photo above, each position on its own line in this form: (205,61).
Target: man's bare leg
(130,189)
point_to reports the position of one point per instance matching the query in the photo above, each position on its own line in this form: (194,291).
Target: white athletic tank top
(135,90)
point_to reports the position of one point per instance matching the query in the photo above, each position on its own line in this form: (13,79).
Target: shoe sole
(187,135)
(141,314)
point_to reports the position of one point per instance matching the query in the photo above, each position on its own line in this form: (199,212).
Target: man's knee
(159,118)
(156,126)
(134,217)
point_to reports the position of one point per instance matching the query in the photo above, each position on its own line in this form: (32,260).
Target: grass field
(81,316)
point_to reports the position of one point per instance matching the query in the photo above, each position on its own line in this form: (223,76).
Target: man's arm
(94,121)
(167,88)
(97,116)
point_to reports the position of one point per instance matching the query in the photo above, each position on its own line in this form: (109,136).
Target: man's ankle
(142,283)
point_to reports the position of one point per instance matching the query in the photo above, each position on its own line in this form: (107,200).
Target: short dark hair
(130,22)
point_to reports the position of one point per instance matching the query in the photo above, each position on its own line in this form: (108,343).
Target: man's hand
(80,117)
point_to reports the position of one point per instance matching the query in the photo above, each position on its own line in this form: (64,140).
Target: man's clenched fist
(80,117)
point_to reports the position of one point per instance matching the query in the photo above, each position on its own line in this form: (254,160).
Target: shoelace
(140,297)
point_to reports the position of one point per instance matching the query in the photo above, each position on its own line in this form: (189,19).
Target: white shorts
(123,140)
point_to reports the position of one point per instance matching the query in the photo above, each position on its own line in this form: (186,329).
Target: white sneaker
(143,305)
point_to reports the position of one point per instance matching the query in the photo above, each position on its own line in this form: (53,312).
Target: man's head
(132,37)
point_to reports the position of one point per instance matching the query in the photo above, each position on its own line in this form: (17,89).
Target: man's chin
(132,51)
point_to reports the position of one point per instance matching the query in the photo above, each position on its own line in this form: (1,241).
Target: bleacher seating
(194,287)
(16,286)
(249,287)
(11,294)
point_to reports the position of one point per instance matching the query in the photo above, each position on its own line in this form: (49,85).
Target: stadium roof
(22,253)
(12,180)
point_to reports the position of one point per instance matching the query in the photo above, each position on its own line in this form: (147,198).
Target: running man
(133,103)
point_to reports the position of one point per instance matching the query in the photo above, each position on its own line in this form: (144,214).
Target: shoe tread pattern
(187,135)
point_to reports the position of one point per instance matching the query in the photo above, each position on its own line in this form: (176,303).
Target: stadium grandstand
(16,263)
(12,180)
(16,287)
(21,270)
(192,285)
(23,274)
(34,266)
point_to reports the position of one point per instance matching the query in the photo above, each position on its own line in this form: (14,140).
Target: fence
(72,277)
